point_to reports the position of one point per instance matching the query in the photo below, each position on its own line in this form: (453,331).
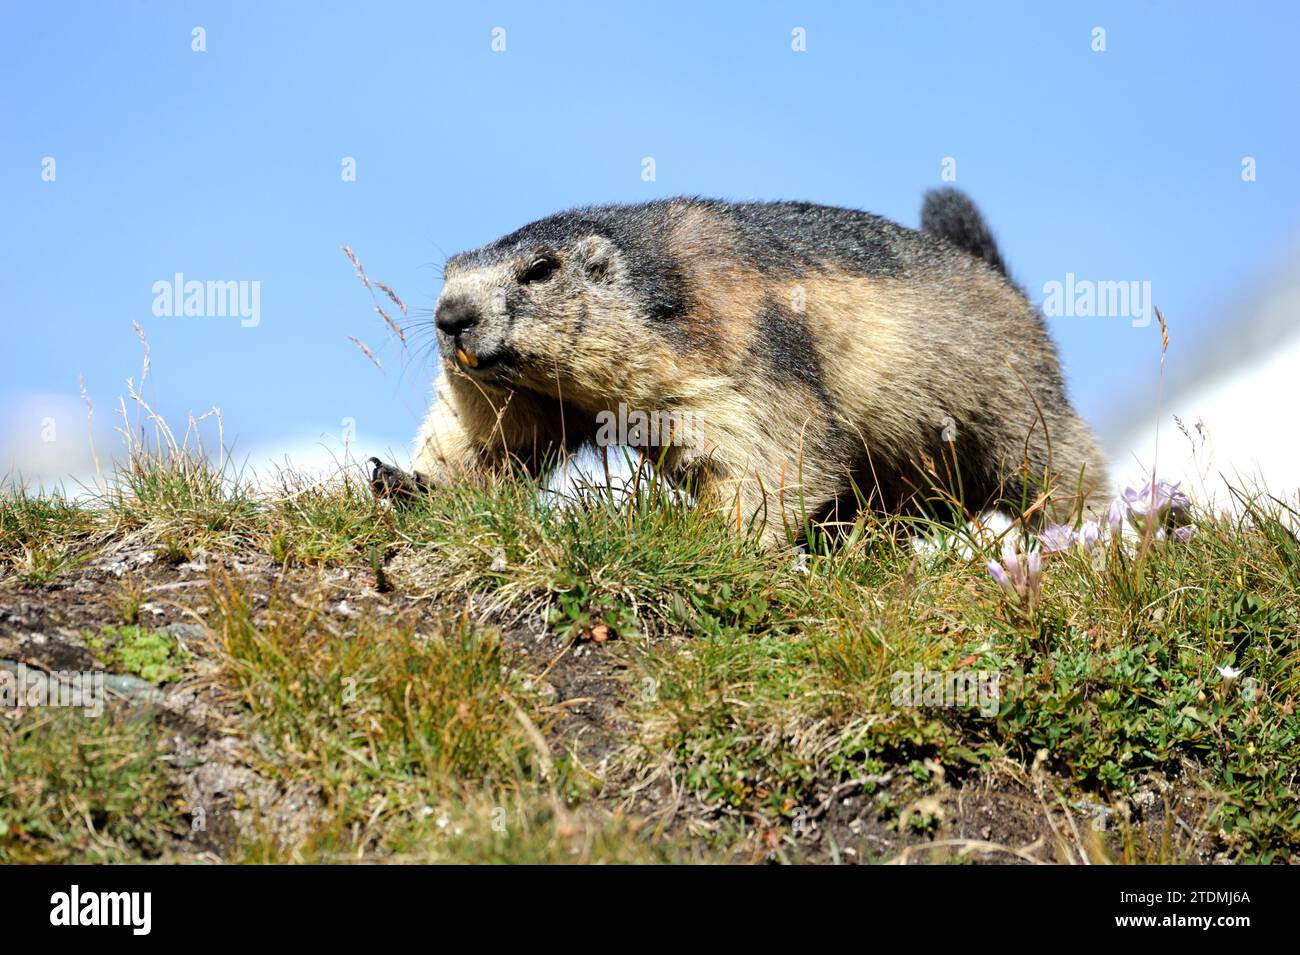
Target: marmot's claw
(394,483)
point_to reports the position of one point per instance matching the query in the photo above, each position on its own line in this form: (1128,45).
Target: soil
(999,817)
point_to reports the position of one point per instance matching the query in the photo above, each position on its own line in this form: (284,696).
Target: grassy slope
(476,677)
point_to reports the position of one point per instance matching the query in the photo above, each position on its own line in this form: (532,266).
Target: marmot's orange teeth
(466,359)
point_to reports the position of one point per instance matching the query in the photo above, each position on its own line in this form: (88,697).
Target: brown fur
(806,378)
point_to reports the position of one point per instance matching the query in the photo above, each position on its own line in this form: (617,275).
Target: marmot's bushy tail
(950,214)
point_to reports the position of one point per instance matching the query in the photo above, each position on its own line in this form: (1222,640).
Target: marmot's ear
(599,257)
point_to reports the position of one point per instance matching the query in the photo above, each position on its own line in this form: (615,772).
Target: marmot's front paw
(394,483)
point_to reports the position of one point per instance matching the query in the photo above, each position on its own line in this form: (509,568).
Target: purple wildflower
(1001,577)
(1019,575)
(1056,538)
(1158,507)
(1115,518)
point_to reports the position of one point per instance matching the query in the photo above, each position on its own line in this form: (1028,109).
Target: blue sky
(226,165)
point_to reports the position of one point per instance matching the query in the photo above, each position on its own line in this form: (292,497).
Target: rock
(187,632)
(136,690)
(1101,816)
(197,565)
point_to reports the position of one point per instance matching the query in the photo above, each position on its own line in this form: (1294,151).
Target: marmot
(828,357)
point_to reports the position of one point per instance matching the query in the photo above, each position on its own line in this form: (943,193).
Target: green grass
(79,789)
(1116,680)
(754,682)
(41,536)
(388,717)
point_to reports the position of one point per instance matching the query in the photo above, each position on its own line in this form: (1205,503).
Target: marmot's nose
(456,316)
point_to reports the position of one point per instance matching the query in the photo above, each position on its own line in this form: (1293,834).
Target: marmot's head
(554,302)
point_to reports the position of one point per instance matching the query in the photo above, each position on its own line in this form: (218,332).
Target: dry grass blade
(356,264)
(392,325)
(365,280)
(392,295)
(368,353)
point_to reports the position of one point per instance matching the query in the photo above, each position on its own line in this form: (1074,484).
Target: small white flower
(1228,672)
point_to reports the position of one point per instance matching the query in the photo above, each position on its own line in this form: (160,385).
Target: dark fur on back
(784,239)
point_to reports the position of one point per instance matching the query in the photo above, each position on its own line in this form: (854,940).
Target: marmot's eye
(539,271)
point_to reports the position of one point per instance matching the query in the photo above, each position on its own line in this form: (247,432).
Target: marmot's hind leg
(1067,475)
